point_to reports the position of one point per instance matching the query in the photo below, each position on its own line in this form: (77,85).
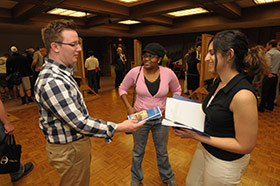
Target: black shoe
(23,100)
(269,108)
(260,109)
(27,168)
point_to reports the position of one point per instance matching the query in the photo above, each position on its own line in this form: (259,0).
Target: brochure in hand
(145,115)
(184,113)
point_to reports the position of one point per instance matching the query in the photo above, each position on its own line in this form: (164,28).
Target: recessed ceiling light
(265,1)
(129,22)
(65,12)
(128,1)
(188,12)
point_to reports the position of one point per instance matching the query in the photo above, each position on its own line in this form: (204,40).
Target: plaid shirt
(63,113)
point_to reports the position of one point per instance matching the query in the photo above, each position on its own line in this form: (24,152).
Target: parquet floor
(111,162)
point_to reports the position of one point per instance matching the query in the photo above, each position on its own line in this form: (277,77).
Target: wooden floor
(111,162)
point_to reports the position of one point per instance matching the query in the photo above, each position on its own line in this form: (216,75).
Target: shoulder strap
(133,98)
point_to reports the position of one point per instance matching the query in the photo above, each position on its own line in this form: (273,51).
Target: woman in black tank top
(231,113)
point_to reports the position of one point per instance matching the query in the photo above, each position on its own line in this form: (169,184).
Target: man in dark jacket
(119,67)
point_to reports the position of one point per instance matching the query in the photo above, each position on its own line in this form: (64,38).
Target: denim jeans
(18,174)
(160,138)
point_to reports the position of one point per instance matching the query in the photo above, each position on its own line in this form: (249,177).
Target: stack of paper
(185,113)
(146,114)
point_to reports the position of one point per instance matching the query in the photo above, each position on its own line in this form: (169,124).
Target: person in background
(185,59)
(4,88)
(278,45)
(119,67)
(123,58)
(198,51)
(92,65)
(277,98)
(19,63)
(9,130)
(164,61)
(38,60)
(98,75)
(170,63)
(269,82)
(64,117)
(28,53)
(192,68)
(152,83)
(231,114)
(257,80)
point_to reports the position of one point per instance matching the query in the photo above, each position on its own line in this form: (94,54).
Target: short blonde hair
(119,48)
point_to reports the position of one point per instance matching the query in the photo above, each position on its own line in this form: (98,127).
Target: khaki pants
(72,161)
(25,85)
(207,170)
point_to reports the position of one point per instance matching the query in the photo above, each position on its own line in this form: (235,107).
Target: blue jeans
(160,138)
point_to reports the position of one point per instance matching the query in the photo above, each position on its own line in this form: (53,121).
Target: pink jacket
(144,100)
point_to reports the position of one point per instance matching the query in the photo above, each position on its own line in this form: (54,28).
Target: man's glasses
(148,56)
(70,44)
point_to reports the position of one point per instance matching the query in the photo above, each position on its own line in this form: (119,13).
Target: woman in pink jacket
(153,83)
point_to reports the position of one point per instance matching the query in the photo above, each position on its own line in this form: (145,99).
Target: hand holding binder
(184,113)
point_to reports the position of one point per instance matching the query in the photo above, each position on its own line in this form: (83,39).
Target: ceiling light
(188,12)
(128,1)
(65,12)
(265,1)
(129,22)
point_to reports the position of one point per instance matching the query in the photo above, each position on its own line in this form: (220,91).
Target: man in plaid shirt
(64,118)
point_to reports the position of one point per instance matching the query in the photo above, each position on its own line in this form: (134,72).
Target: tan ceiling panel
(158,8)
(128,4)
(31,16)
(97,6)
(158,20)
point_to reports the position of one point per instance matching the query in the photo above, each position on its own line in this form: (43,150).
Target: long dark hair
(245,60)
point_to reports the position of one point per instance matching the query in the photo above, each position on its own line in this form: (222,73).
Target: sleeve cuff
(111,130)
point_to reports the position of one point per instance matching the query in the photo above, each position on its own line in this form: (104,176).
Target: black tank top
(153,86)
(219,119)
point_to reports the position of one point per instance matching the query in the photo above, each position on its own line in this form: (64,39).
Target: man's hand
(129,126)
(271,75)
(9,129)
